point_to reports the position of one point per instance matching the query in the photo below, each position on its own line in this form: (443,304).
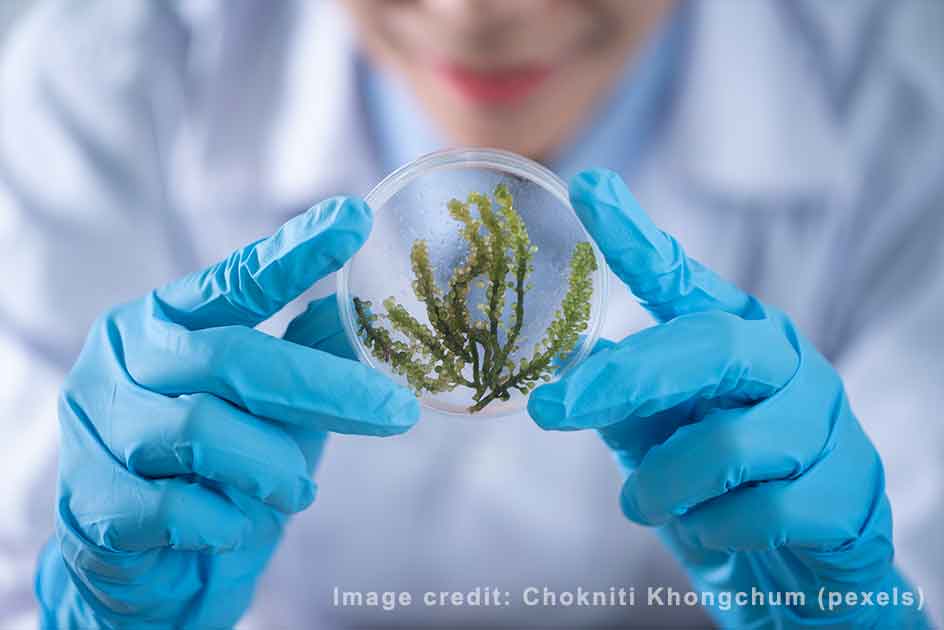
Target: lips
(493,87)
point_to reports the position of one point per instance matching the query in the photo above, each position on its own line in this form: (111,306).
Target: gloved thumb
(650,262)
(256,281)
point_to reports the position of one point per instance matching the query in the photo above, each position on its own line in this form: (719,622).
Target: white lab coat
(139,141)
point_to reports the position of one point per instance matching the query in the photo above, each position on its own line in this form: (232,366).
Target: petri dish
(411,204)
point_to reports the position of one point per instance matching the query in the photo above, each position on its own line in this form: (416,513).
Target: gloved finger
(202,435)
(632,438)
(256,281)
(779,438)
(818,510)
(158,584)
(135,514)
(651,263)
(269,377)
(776,514)
(707,459)
(320,327)
(711,359)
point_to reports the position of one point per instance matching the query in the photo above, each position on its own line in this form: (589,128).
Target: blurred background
(9,11)
(822,199)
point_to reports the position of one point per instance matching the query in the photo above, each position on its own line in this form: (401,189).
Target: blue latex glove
(188,436)
(734,432)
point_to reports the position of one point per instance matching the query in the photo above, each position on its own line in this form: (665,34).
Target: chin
(514,127)
(483,131)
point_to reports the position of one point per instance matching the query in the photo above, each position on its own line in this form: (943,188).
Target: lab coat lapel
(752,160)
(753,123)
(320,141)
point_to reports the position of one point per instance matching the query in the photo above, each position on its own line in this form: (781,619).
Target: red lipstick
(493,87)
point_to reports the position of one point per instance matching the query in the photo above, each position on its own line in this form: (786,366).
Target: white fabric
(138,142)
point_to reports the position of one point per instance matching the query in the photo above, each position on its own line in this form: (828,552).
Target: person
(768,408)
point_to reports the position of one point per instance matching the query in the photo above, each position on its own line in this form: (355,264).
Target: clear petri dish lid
(379,292)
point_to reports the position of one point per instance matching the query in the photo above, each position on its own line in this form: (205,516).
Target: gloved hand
(734,432)
(187,437)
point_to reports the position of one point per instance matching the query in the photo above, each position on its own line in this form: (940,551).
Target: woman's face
(513,74)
